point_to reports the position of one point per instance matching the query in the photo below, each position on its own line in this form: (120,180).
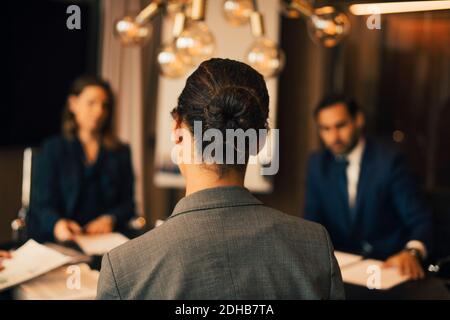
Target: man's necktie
(342,165)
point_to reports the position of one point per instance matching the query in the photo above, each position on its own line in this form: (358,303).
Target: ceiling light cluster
(192,41)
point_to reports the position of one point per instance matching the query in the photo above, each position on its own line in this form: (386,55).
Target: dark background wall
(42,58)
(10,189)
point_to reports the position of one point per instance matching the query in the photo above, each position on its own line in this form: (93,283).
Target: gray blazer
(223,243)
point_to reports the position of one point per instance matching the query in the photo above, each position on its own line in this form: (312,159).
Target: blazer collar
(73,174)
(366,170)
(213,198)
(355,156)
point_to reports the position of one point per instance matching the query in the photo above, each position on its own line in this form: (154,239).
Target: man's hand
(65,230)
(407,264)
(103,224)
(3,255)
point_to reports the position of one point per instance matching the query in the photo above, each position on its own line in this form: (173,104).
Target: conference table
(94,261)
(431,287)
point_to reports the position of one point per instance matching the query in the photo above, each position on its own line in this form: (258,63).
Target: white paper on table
(75,255)
(60,284)
(344,259)
(100,244)
(365,273)
(30,261)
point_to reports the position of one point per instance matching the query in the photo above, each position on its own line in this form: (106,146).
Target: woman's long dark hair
(224,94)
(69,125)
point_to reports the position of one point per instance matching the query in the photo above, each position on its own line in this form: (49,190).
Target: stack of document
(75,282)
(100,244)
(368,273)
(28,262)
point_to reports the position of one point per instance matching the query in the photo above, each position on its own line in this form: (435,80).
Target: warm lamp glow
(398,7)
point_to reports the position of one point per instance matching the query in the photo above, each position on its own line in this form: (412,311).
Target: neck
(87,136)
(210,179)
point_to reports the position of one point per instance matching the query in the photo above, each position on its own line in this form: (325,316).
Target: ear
(360,120)
(73,99)
(261,140)
(177,130)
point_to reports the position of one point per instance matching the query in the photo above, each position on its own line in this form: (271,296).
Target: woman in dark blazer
(83,178)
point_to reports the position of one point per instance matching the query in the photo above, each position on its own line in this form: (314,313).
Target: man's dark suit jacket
(223,243)
(390,210)
(57,184)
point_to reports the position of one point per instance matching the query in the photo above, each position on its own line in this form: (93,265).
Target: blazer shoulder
(53,147)
(312,228)
(160,240)
(146,249)
(316,161)
(384,150)
(56,141)
(299,227)
(123,147)
(123,151)
(137,246)
(316,156)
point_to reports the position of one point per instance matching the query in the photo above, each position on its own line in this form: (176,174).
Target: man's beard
(349,148)
(353,142)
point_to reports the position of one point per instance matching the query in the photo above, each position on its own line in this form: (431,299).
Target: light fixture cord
(255,5)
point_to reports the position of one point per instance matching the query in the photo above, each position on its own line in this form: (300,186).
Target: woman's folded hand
(65,230)
(103,224)
(4,255)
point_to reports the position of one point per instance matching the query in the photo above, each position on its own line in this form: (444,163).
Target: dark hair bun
(234,108)
(224,94)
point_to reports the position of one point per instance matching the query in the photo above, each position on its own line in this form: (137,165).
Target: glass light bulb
(266,57)
(170,63)
(237,12)
(196,43)
(131,33)
(327,26)
(289,8)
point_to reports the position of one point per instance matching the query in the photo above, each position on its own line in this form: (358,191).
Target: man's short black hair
(352,107)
